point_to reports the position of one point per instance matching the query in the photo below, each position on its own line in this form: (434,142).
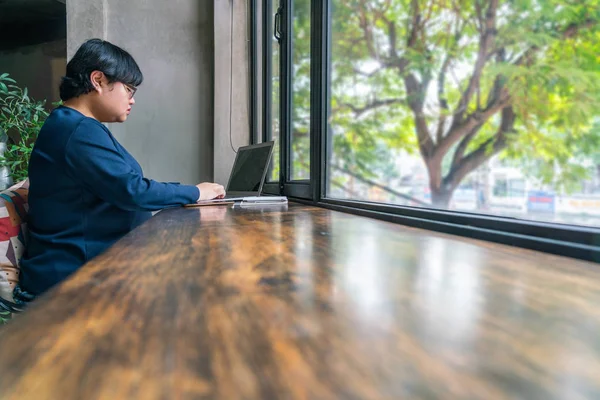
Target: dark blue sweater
(86,192)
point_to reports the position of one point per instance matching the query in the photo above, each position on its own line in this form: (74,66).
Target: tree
(461,81)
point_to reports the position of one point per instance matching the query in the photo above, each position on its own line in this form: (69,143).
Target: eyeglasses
(130,90)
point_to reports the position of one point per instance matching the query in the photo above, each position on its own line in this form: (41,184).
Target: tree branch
(368,74)
(485,42)
(414,89)
(392,35)
(480,19)
(477,118)
(573,29)
(498,98)
(393,39)
(415,97)
(569,32)
(462,146)
(378,185)
(352,193)
(484,152)
(368,34)
(493,97)
(359,111)
(429,13)
(527,57)
(442,100)
(416,22)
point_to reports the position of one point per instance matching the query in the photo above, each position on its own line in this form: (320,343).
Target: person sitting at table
(86,190)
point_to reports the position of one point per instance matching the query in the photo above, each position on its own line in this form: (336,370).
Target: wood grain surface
(296,302)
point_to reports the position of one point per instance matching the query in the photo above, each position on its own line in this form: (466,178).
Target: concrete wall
(85,20)
(170,129)
(183,125)
(37,67)
(231,119)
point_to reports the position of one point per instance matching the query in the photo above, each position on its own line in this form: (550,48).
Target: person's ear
(97,78)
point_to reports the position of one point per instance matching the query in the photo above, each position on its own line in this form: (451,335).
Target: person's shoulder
(88,131)
(73,117)
(87,123)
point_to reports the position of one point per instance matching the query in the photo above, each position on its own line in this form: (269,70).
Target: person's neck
(80,104)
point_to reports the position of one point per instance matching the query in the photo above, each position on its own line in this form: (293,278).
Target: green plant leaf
(21,119)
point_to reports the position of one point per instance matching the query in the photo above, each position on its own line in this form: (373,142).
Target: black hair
(98,55)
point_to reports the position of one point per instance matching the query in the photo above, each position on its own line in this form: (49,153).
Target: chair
(13,240)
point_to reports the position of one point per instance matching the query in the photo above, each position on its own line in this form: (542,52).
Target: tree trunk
(440,193)
(440,197)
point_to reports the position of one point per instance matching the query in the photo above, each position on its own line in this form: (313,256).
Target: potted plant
(21,119)
(4,316)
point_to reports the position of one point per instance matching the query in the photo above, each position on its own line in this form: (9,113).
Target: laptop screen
(249,169)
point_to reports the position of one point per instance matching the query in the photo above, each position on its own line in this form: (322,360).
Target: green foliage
(301,91)
(4,317)
(21,119)
(545,55)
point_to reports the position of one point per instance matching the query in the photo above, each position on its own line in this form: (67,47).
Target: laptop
(248,175)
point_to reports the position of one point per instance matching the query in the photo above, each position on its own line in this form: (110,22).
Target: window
(275,92)
(462,93)
(300,129)
(484,116)
(284,62)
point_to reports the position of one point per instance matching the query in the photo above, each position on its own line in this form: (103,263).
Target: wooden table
(305,302)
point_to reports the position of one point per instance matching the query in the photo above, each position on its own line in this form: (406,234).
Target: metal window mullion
(267,86)
(254,89)
(319,104)
(285,109)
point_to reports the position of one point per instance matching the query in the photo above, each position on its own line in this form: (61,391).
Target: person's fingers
(209,190)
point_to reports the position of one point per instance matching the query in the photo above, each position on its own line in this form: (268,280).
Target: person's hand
(210,191)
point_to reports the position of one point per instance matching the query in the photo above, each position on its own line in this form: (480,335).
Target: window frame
(574,241)
(267,84)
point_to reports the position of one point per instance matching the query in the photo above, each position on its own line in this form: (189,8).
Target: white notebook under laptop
(248,175)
